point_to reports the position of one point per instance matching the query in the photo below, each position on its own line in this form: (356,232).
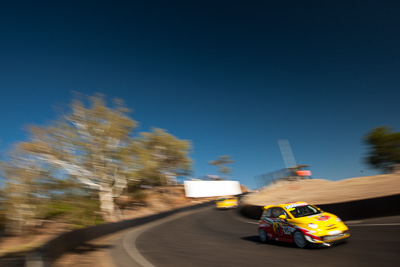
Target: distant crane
(291,172)
(287,154)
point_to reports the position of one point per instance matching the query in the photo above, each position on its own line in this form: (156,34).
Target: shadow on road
(256,239)
(90,247)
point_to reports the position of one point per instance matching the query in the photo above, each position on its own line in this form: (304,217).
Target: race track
(213,237)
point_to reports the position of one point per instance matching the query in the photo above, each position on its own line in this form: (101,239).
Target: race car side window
(274,213)
(263,214)
(268,213)
(279,211)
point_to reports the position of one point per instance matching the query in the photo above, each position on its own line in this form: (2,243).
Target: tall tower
(287,154)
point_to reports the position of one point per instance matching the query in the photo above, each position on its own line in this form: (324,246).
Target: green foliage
(78,210)
(56,208)
(76,166)
(135,191)
(161,156)
(220,163)
(384,148)
(92,144)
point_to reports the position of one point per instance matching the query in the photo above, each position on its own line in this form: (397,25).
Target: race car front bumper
(328,240)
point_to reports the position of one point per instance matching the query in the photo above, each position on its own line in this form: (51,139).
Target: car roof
(284,205)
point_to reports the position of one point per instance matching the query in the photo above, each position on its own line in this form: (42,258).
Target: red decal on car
(323,218)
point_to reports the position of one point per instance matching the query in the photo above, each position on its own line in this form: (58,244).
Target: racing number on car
(286,229)
(281,229)
(278,228)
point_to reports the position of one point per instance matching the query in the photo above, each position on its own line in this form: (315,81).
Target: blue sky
(231,76)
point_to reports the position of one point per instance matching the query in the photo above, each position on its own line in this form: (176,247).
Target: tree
(34,191)
(22,191)
(384,145)
(221,163)
(161,157)
(92,144)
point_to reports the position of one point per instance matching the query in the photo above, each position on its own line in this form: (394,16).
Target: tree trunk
(111,212)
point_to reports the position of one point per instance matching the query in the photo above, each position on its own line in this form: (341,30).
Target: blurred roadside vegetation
(384,149)
(221,163)
(84,166)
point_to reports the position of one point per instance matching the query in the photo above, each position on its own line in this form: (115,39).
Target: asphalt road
(213,237)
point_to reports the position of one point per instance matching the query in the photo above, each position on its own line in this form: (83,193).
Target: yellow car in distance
(227,203)
(302,224)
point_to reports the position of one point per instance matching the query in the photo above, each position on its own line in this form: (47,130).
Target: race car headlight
(338,219)
(313,225)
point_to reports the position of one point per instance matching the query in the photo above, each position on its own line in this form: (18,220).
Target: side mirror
(282,217)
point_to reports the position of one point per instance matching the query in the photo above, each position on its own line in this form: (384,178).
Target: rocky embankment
(319,191)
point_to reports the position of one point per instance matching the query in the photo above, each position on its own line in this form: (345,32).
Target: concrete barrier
(47,254)
(351,210)
(365,208)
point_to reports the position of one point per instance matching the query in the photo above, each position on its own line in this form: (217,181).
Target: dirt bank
(319,191)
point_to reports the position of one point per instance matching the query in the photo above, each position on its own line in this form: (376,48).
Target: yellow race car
(227,203)
(302,224)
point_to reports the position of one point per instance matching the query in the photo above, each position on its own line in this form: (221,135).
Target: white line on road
(374,224)
(130,247)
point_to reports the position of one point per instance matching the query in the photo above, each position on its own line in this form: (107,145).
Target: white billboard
(211,188)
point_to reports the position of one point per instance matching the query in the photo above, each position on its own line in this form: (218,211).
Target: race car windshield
(303,211)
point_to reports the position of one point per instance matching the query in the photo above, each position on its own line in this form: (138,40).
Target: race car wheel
(262,235)
(299,239)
